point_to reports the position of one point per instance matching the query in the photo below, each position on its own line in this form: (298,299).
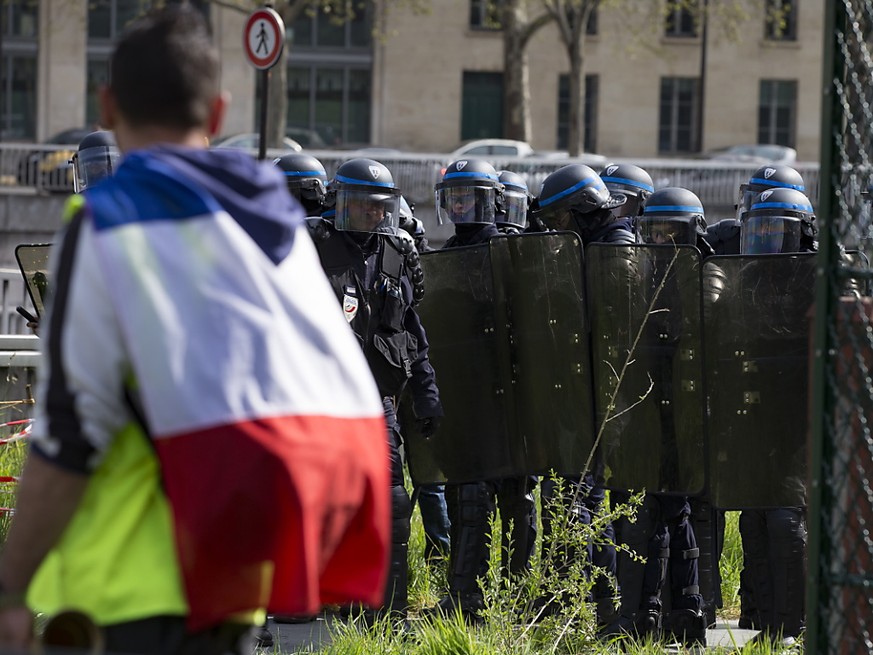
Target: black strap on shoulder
(392,259)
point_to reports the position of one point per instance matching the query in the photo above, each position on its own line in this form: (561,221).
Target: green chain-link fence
(840,593)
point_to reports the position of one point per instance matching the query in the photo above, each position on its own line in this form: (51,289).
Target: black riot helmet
(631,181)
(768,177)
(366,198)
(96,158)
(575,198)
(306,179)
(469,193)
(673,215)
(512,213)
(779,220)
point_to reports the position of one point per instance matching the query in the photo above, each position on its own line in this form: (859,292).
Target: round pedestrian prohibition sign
(264,38)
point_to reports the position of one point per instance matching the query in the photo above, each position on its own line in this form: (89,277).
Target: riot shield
(757,333)
(33,262)
(646,318)
(472,372)
(539,279)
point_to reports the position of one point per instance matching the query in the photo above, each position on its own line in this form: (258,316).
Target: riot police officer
(724,235)
(631,181)
(771,176)
(663,532)
(96,158)
(368,268)
(779,220)
(469,196)
(575,198)
(306,179)
(511,215)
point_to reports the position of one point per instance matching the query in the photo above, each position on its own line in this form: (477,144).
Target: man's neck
(147,136)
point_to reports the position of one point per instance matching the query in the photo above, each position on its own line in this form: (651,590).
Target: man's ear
(217,112)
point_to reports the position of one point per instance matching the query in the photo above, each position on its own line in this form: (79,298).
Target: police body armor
(648,365)
(757,331)
(374,302)
(508,337)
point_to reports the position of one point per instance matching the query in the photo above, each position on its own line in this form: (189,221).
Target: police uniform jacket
(369,275)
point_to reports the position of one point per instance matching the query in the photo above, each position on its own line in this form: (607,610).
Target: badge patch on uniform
(350,303)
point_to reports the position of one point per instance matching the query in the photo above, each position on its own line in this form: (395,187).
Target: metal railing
(45,168)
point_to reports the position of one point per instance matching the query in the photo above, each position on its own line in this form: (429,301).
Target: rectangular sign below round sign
(264,38)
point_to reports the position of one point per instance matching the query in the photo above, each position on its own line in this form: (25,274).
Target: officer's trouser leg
(518,509)
(638,580)
(787,534)
(704,521)
(396,594)
(756,565)
(471,555)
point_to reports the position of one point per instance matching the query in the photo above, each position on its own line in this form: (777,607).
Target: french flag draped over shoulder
(261,407)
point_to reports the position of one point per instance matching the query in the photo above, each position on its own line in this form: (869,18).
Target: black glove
(429,425)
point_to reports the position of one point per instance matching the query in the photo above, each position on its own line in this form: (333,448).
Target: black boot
(469,605)
(643,625)
(688,627)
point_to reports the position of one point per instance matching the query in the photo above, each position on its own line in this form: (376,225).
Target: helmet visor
(92,165)
(630,208)
(465,204)
(515,206)
(367,211)
(760,235)
(744,199)
(669,231)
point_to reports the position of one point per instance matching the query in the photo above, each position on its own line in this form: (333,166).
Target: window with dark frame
(330,80)
(780,22)
(18,70)
(485,15)
(777,112)
(592,83)
(591,26)
(677,115)
(681,22)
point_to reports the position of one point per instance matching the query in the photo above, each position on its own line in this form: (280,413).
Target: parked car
(486,148)
(50,168)
(754,154)
(309,139)
(251,141)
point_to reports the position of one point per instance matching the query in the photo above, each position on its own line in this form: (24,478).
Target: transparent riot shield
(646,326)
(471,362)
(33,262)
(757,323)
(539,281)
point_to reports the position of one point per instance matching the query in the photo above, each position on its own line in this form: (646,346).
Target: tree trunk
(576,133)
(516,88)
(277,102)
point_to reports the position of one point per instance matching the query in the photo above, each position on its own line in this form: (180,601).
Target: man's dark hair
(165,70)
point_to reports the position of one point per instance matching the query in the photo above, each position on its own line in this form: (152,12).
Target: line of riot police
(601,332)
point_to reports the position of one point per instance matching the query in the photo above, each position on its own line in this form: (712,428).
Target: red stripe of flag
(286,513)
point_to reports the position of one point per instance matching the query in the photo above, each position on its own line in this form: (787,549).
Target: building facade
(655,85)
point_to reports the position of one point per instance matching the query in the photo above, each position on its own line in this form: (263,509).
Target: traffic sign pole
(265,100)
(263,41)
